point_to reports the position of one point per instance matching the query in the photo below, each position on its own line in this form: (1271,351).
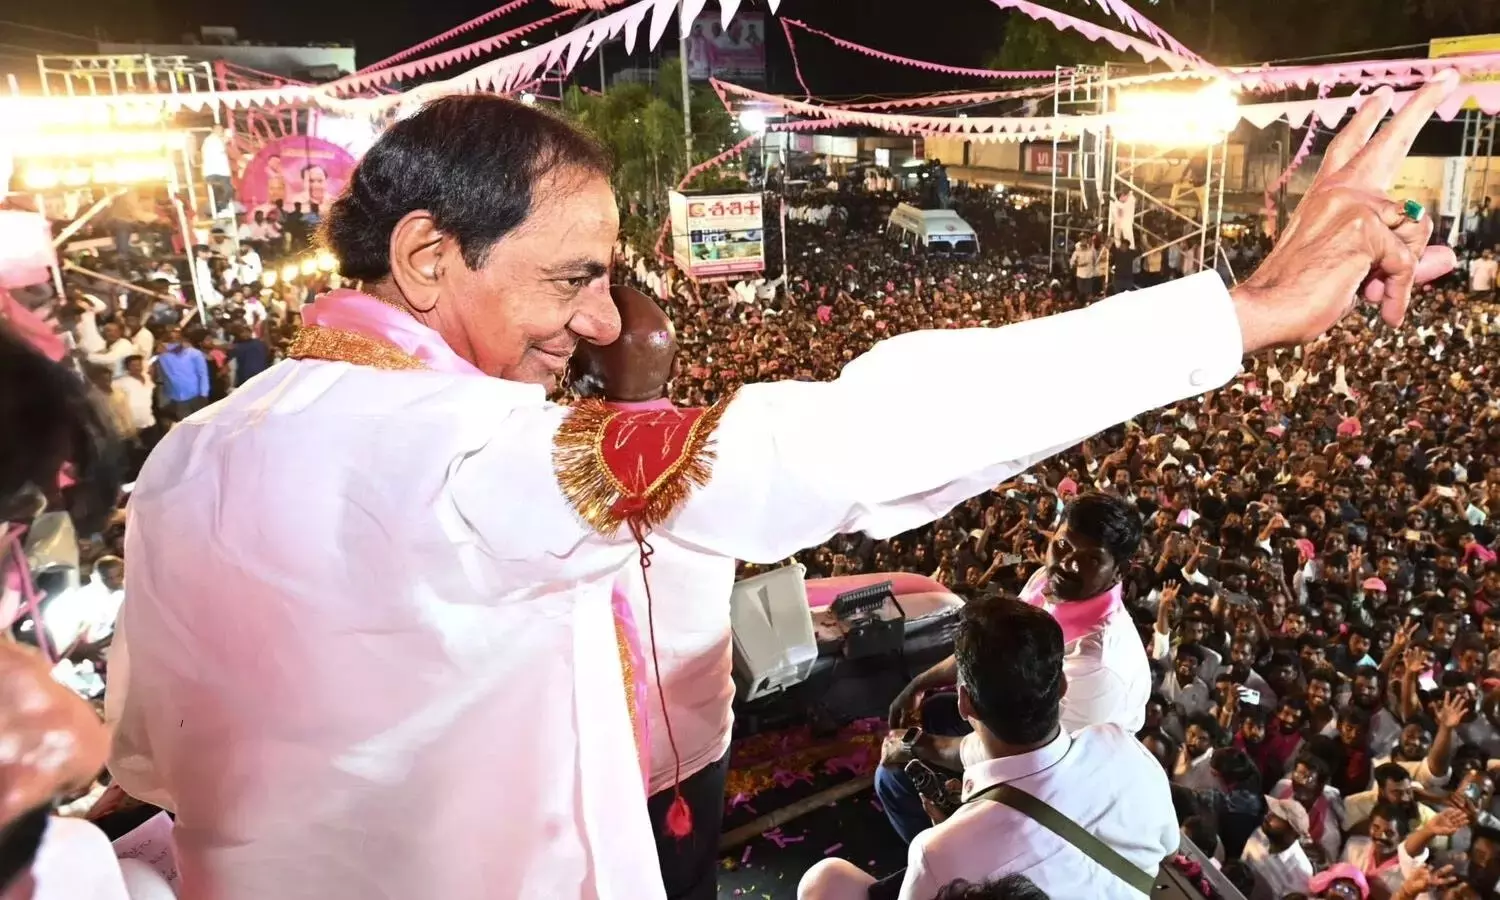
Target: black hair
(1316,764)
(1107,521)
(1354,715)
(1393,814)
(472,161)
(1192,651)
(1209,724)
(19,841)
(1254,713)
(1010,657)
(1009,887)
(49,423)
(1325,674)
(1236,769)
(1390,772)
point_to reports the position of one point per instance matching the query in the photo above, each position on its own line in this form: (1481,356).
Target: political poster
(296,170)
(736,53)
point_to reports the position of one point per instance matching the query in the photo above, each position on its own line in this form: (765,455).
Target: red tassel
(679,818)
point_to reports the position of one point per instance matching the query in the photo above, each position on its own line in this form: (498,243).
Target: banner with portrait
(736,53)
(293,171)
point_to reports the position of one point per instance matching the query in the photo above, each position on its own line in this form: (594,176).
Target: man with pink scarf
(1109,677)
(374,646)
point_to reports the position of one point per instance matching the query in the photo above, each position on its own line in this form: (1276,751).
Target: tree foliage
(641,124)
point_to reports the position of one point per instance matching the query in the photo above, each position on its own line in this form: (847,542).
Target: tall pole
(687,103)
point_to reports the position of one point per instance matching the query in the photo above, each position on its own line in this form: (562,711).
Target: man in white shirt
(1085,262)
(139,335)
(116,348)
(1109,678)
(138,393)
(1011,685)
(441,574)
(1274,852)
(249,270)
(213,156)
(1482,274)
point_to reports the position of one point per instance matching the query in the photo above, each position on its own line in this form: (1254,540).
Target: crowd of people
(1316,580)
(1303,560)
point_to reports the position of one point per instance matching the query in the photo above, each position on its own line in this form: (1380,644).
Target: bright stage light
(309,266)
(1176,118)
(289,272)
(268,278)
(528,98)
(327,262)
(753,121)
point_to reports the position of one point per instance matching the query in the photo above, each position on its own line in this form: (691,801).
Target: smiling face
(540,290)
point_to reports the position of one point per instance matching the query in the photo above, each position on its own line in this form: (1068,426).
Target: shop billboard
(717,235)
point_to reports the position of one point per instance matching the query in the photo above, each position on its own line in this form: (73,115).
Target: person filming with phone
(1083,813)
(1109,677)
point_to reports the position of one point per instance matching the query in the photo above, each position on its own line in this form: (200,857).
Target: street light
(753,121)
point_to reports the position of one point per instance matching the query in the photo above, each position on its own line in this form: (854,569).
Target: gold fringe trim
(593,490)
(627,673)
(337,345)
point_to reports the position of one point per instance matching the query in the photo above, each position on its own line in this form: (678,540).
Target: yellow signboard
(1463,46)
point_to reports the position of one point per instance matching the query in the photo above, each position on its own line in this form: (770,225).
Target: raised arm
(893,443)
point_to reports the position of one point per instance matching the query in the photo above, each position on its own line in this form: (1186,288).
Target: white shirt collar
(1006,769)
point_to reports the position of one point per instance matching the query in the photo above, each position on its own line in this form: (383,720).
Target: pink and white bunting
(427,64)
(428,44)
(1146,50)
(1142,25)
(921,63)
(1329,110)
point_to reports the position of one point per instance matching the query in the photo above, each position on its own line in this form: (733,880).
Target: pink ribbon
(368,79)
(470,25)
(791,46)
(915,63)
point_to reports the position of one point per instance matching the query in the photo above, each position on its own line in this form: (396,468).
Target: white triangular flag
(662,14)
(727,9)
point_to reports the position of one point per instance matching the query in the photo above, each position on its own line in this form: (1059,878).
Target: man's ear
(418,253)
(965,703)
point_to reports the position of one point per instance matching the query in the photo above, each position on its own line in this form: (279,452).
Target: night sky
(955,33)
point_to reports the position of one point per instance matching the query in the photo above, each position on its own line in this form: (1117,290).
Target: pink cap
(1341,872)
(1306,548)
(1067,487)
(1373,584)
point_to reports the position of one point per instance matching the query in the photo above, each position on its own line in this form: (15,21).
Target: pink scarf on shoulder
(1078,618)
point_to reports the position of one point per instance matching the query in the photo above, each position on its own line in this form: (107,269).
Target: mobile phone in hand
(930,785)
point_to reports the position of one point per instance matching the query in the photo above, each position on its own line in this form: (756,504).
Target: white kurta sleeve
(909,430)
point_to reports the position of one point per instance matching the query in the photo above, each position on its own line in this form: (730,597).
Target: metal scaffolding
(140,75)
(1177,192)
(1188,212)
(116,75)
(1479,142)
(1079,205)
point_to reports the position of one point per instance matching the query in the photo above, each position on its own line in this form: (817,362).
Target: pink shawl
(1077,618)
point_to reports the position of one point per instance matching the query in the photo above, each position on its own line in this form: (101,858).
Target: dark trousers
(690,867)
(222,189)
(898,796)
